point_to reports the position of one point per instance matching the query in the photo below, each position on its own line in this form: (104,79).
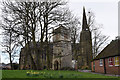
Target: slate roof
(111,50)
(60,29)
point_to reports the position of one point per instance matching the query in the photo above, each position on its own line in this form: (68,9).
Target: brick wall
(109,69)
(119,67)
(92,66)
(98,68)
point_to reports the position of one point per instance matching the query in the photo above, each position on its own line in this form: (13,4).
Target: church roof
(110,50)
(60,29)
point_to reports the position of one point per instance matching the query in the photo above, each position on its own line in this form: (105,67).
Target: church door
(56,65)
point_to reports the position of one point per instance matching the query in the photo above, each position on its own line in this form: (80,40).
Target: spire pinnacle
(84,21)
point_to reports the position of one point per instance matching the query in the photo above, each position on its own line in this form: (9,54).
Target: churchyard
(51,74)
(46,40)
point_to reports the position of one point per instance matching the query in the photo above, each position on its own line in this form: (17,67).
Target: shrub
(84,67)
(67,68)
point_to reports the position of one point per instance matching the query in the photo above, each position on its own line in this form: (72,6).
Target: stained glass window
(117,61)
(110,61)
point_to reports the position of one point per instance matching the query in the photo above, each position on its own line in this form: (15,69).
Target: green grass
(51,74)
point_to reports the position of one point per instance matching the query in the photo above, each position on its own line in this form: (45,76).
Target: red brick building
(108,61)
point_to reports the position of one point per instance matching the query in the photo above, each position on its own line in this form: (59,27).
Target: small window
(101,62)
(82,50)
(54,38)
(110,61)
(116,61)
(62,50)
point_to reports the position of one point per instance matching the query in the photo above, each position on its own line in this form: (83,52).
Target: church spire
(85,44)
(84,21)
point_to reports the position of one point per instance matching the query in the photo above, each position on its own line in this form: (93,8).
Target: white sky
(106,13)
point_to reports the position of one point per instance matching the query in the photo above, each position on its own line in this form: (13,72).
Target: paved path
(89,71)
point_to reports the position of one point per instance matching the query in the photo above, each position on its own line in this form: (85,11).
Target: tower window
(82,50)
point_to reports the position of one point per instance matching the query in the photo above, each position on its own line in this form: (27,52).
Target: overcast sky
(106,13)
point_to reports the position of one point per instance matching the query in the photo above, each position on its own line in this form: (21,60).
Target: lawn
(50,74)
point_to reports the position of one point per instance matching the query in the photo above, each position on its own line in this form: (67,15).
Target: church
(61,50)
(85,55)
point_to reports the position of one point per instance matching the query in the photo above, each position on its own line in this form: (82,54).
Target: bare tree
(98,39)
(17,15)
(31,18)
(54,14)
(9,43)
(74,31)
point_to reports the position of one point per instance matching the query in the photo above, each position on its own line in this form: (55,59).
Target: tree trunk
(10,61)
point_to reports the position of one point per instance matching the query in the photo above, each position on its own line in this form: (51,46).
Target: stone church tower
(85,44)
(62,56)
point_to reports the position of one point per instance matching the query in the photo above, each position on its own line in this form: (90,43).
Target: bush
(84,67)
(15,66)
(67,68)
